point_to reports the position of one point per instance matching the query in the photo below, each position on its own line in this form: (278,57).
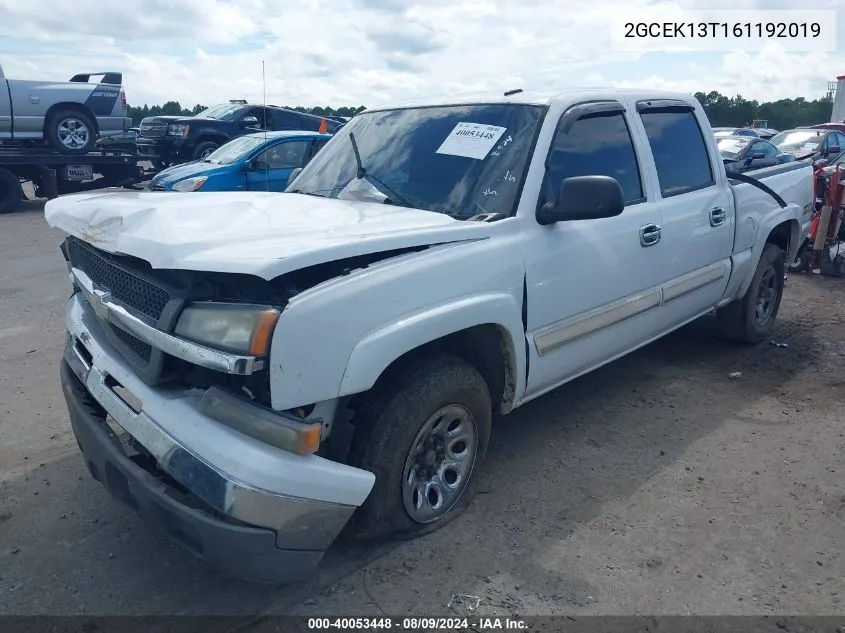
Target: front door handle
(649,235)
(718,216)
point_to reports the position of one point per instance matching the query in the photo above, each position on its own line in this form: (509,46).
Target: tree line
(722,111)
(174,108)
(783,114)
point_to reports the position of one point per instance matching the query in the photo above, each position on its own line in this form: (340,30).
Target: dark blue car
(256,162)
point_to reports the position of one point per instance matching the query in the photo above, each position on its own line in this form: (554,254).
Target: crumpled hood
(257,233)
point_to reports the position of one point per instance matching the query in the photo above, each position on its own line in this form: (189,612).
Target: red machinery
(825,225)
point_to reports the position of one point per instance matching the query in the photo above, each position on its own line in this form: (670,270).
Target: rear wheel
(71,132)
(423,433)
(752,318)
(801,261)
(11,193)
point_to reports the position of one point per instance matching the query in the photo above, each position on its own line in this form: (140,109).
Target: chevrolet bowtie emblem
(98,300)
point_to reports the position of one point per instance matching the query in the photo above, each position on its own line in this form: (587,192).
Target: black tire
(388,425)
(204,148)
(63,132)
(11,193)
(740,320)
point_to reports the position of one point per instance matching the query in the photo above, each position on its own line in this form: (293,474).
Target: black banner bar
(403,624)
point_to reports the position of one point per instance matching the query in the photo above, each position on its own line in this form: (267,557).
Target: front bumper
(167,148)
(255,511)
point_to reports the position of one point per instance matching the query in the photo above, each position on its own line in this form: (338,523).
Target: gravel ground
(656,485)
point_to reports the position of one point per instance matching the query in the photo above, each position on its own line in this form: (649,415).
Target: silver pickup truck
(69,116)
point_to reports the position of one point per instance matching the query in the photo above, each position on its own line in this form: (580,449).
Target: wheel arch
(70,105)
(213,137)
(784,233)
(492,347)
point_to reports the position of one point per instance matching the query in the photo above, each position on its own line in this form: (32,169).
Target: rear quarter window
(680,153)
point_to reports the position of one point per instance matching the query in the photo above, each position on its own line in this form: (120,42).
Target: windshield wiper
(393,195)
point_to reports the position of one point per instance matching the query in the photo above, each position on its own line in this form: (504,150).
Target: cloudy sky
(364,52)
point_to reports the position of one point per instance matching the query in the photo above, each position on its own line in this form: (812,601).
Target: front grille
(132,291)
(155,130)
(136,346)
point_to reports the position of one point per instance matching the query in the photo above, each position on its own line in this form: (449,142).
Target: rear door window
(287,121)
(316,146)
(680,153)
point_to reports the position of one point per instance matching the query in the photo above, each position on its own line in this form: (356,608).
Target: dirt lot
(657,485)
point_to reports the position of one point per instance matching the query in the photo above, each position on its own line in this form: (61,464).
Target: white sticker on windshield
(471,140)
(810,147)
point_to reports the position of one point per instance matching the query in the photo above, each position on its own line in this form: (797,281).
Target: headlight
(241,329)
(178,129)
(190,184)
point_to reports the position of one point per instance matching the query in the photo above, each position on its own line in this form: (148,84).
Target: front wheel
(205,149)
(422,434)
(752,318)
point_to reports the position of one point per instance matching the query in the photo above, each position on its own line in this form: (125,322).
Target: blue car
(256,162)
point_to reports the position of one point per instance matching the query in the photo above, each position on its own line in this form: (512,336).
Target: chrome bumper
(306,501)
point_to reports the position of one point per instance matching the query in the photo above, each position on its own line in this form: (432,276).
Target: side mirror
(293,176)
(249,121)
(583,198)
(821,163)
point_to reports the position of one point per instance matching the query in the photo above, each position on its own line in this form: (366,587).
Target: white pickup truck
(281,368)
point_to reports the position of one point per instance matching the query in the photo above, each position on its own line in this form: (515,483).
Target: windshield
(224,112)
(732,148)
(234,150)
(458,160)
(807,140)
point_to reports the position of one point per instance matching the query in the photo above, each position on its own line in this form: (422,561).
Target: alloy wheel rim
(73,133)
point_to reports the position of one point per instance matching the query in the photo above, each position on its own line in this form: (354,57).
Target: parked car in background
(744,153)
(255,162)
(812,143)
(177,139)
(69,116)
(720,132)
(124,141)
(761,126)
(839,126)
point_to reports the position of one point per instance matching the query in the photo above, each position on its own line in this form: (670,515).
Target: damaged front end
(210,332)
(173,414)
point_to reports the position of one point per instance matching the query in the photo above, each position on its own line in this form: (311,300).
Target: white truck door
(593,285)
(696,206)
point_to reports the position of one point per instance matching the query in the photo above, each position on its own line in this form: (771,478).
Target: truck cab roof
(534,97)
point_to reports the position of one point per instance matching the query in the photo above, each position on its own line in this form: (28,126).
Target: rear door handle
(649,235)
(718,216)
